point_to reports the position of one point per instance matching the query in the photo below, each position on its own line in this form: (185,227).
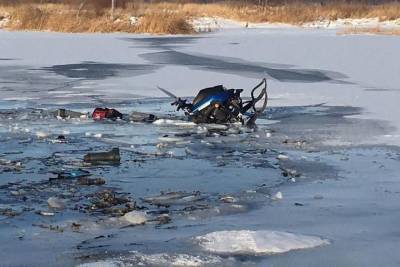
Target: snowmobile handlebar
(252,103)
(263,94)
(182,104)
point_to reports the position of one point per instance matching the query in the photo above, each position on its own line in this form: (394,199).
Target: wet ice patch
(256,242)
(160,259)
(102,264)
(164,259)
(168,122)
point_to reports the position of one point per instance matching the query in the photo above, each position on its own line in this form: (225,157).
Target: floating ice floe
(246,242)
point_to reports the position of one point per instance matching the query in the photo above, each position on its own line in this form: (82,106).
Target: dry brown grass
(61,18)
(164,22)
(374,30)
(171,17)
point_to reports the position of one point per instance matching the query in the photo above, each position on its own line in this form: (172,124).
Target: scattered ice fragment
(14,193)
(228,199)
(169,139)
(46,213)
(88,134)
(278,196)
(282,157)
(41,134)
(173,122)
(318,196)
(98,135)
(268,134)
(55,203)
(246,242)
(135,217)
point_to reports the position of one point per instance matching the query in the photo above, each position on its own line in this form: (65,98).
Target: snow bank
(210,24)
(353,23)
(256,242)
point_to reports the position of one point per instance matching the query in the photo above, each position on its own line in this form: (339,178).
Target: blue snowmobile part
(219,97)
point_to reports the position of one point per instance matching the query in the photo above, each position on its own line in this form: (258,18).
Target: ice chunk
(278,196)
(246,242)
(41,134)
(282,157)
(55,203)
(135,217)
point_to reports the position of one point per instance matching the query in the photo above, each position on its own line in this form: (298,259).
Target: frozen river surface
(315,184)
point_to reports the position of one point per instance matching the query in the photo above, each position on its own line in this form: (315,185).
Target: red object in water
(106,113)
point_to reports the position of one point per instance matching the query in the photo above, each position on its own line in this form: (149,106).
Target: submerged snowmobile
(220,105)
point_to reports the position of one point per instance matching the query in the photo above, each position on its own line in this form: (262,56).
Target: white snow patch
(359,23)
(257,242)
(4,21)
(133,20)
(211,24)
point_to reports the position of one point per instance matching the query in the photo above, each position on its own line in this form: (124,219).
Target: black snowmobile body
(220,105)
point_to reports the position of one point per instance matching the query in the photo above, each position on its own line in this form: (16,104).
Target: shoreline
(213,24)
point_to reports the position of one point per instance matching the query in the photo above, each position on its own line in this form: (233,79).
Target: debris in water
(220,105)
(112,156)
(142,117)
(91,181)
(69,114)
(9,212)
(108,201)
(106,113)
(78,173)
